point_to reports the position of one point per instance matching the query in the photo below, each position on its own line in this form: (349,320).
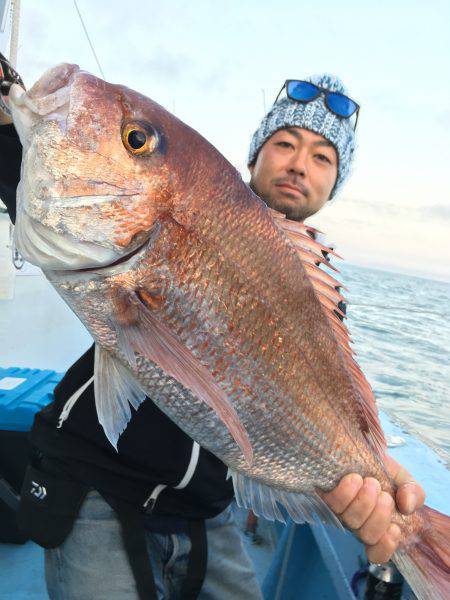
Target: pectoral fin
(114,389)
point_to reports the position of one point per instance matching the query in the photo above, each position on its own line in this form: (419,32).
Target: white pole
(14,43)
(4,14)
(17,260)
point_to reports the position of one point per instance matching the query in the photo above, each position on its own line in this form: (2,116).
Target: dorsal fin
(323,276)
(327,289)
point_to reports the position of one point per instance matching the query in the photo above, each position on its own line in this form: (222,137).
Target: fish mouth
(50,250)
(51,246)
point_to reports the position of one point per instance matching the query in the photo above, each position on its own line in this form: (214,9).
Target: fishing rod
(8,76)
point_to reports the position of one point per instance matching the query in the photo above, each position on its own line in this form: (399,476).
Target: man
(161,489)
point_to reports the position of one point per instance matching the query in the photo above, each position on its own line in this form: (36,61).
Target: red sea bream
(200,297)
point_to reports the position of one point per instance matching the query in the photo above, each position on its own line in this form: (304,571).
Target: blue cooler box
(23,393)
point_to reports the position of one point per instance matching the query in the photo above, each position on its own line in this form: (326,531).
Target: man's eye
(323,158)
(285,144)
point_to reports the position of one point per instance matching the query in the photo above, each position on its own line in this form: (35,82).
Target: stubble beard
(288,206)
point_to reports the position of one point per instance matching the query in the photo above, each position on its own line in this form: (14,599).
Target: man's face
(295,172)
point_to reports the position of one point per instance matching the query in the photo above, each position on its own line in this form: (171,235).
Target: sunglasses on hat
(305,91)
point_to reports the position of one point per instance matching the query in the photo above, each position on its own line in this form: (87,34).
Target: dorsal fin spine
(308,251)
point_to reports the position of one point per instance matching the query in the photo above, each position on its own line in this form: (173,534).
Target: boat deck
(319,560)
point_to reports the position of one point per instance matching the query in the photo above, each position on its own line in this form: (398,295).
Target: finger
(379,520)
(357,513)
(385,548)
(398,473)
(409,497)
(4,118)
(342,495)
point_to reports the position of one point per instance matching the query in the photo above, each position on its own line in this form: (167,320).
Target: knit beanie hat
(314,116)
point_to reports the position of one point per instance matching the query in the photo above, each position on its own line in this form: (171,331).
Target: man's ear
(251,168)
(330,197)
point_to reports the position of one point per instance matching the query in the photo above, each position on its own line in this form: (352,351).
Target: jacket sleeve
(10,160)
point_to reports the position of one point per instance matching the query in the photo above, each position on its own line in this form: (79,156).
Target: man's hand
(4,118)
(367,511)
(8,76)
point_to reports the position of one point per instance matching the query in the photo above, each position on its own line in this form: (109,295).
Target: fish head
(97,169)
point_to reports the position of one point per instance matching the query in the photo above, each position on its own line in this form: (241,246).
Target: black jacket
(153,452)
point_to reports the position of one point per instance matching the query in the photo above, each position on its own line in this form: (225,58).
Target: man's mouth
(289,187)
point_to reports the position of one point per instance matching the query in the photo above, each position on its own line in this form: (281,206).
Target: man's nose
(297,164)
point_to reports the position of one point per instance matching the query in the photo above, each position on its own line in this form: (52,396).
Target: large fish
(199,296)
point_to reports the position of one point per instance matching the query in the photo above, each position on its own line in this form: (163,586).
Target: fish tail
(425,564)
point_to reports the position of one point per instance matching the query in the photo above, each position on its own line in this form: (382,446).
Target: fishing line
(89,39)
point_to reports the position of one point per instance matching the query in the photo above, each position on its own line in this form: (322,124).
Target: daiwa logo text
(38,491)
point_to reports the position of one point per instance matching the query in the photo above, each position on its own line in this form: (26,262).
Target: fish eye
(139,139)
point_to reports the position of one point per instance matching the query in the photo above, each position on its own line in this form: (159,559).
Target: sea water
(400,325)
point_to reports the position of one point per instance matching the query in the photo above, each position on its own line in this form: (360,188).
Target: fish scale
(195,310)
(272,358)
(245,252)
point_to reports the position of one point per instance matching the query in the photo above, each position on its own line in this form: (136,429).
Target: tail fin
(426,564)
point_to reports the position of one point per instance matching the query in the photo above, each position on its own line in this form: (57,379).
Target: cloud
(167,66)
(369,209)
(443,119)
(437,211)
(355,209)
(173,68)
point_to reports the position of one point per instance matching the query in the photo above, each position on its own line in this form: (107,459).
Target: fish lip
(47,100)
(51,251)
(103,270)
(119,261)
(44,97)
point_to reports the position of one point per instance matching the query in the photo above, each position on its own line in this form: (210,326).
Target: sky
(219,65)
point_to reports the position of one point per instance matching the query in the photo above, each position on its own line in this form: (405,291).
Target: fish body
(200,297)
